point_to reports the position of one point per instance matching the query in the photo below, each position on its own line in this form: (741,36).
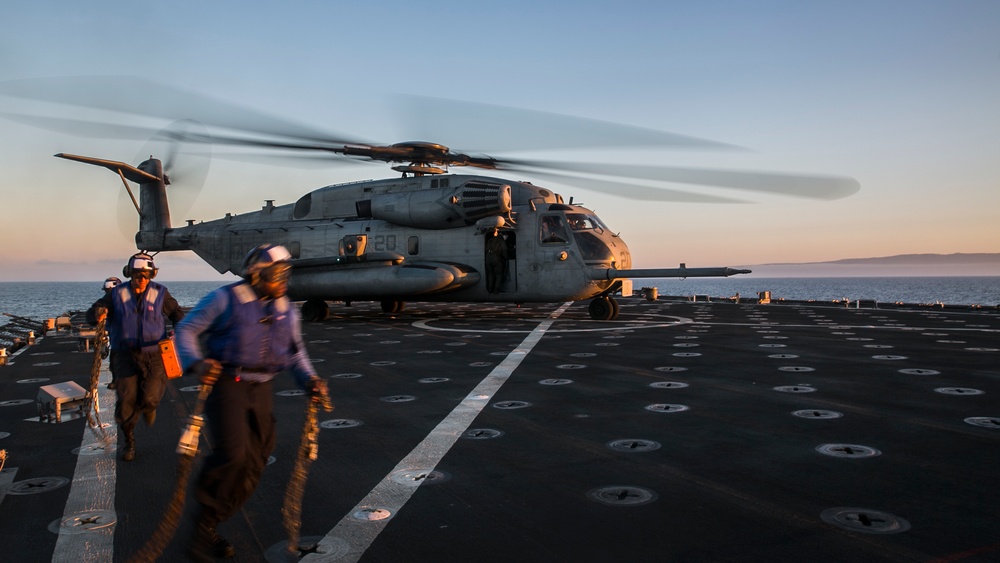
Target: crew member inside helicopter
(553,229)
(496,261)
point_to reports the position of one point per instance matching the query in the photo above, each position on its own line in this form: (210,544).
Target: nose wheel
(604,308)
(315,310)
(392,306)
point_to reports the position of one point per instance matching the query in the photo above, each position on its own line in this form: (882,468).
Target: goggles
(276,273)
(142,275)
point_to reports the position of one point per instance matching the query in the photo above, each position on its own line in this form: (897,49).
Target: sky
(903,96)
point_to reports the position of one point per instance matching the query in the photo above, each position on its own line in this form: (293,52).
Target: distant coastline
(901,265)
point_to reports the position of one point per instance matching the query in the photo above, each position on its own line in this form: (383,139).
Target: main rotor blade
(138,96)
(486,128)
(628,190)
(807,186)
(83,127)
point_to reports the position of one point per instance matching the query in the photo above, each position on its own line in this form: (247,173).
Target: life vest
(258,335)
(138,321)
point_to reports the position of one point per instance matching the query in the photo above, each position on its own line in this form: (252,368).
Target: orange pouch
(171,363)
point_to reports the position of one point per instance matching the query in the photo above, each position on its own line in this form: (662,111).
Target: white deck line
(351,537)
(92,490)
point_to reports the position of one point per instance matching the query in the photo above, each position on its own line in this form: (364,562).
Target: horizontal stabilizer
(130,172)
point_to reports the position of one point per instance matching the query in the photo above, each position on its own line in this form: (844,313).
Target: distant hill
(912,259)
(958,264)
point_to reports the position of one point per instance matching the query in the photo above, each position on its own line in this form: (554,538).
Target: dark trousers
(241,423)
(139,383)
(496,267)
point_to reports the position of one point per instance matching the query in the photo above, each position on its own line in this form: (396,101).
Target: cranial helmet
(262,258)
(140,262)
(111,282)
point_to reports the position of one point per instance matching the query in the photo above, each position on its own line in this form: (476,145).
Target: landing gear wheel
(614,307)
(315,310)
(601,309)
(393,306)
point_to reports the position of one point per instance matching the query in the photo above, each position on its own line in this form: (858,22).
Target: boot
(129,453)
(208,544)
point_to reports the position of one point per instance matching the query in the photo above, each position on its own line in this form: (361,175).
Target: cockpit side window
(583,222)
(553,230)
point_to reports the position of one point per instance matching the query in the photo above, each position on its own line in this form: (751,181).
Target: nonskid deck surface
(679,432)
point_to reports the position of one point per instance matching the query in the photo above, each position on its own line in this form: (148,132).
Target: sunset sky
(903,96)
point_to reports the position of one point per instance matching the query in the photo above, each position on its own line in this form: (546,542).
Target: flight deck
(681,431)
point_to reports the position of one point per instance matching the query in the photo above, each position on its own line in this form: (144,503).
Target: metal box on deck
(57,398)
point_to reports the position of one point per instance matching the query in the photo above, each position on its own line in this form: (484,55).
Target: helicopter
(423,236)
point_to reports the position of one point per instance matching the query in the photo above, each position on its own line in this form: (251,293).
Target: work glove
(207,370)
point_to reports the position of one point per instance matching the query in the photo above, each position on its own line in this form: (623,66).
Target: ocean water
(41,300)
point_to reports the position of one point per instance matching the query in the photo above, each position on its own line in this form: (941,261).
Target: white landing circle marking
(89,521)
(959,391)
(865,520)
(795,389)
(666,407)
(984,421)
(918,371)
(337,423)
(847,450)
(817,414)
(372,514)
(668,385)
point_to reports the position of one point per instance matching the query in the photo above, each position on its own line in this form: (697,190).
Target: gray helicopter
(428,235)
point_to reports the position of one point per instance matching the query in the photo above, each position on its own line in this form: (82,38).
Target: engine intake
(439,208)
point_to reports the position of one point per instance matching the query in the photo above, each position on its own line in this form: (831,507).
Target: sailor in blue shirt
(238,338)
(135,314)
